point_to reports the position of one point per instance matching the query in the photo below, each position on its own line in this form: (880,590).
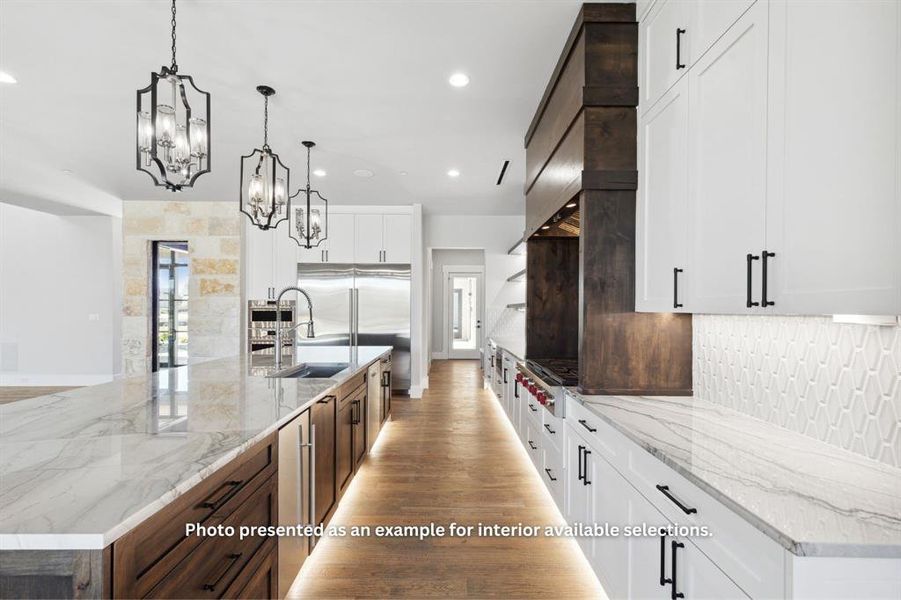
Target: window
(171,266)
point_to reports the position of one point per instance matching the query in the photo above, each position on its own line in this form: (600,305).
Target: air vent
(500,177)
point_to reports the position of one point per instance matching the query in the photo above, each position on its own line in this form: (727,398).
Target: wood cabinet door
(659,38)
(662,212)
(344,463)
(834,197)
(368,239)
(339,245)
(397,238)
(727,167)
(322,420)
(359,446)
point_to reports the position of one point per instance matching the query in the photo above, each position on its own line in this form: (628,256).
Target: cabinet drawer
(552,473)
(605,440)
(350,387)
(218,562)
(553,430)
(149,552)
(259,579)
(533,442)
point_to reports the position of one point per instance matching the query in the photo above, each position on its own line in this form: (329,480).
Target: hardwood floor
(448,457)
(13,393)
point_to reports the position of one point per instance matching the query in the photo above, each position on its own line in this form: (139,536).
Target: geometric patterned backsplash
(836,382)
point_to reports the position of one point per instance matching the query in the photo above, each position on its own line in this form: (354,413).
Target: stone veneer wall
(212,230)
(836,382)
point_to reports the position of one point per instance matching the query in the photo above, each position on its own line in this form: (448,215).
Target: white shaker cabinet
(664,48)
(834,182)
(662,211)
(727,167)
(694,575)
(271,261)
(397,234)
(368,238)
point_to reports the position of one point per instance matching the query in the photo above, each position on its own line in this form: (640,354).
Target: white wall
(60,298)
(493,234)
(441,259)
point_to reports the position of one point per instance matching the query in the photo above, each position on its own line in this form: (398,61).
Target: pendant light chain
(308,172)
(266,122)
(174,64)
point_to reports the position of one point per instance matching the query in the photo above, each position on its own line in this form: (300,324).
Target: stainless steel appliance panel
(328,287)
(383,314)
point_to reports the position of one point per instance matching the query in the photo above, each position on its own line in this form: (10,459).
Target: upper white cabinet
(834,181)
(793,168)
(368,235)
(338,246)
(270,261)
(397,232)
(727,166)
(662,238)
(664,48)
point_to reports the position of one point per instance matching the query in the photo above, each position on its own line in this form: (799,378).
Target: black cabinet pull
(326,400)
(676,303)
(532,407)
(675,595)
(581,474)
(663,578)
(679,64)
(750,259)
(664,489)
(231,559)
(549,476)
(549,430)
(515,388)
(763,276)
(585,454)
(584,424)
(505,374)
(231,486)
(532,446)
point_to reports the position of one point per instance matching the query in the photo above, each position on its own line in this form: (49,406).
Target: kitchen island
(81,469)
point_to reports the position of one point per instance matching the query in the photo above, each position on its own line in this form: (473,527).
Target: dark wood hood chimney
(580,188)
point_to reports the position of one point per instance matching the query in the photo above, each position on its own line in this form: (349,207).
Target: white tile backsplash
(836,382)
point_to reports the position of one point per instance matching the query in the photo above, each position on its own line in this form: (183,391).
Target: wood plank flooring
(13,393)
(451,456)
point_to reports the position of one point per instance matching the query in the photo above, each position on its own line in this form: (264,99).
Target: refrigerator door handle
(356,317)
(350,317)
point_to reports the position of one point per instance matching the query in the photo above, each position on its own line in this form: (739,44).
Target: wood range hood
(581,181)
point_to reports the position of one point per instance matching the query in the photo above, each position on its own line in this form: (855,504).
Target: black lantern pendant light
(310,225)
(173,144)
(264,179)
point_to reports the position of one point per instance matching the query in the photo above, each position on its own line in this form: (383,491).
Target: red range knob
(542,398)
(532,388)
(519,377)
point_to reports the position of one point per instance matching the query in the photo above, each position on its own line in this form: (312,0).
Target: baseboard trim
(415,391)
(45,380)
(439,355)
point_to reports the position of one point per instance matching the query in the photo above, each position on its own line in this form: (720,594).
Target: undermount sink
(312,370)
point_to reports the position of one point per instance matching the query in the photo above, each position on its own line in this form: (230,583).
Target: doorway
(169,293)
(463,312)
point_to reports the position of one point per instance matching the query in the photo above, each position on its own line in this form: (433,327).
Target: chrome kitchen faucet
(278,322)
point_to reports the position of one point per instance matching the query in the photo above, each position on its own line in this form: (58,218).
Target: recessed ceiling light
(571,205)
(68,171)
(7,78)
(363,173)
(403,173)
(319,173)
(453,173)
(545,227)
(459,80)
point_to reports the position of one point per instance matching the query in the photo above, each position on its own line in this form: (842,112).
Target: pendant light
(173,127)
(310,219)
(264,179)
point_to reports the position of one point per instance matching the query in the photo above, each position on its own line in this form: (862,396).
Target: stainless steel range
(545,380)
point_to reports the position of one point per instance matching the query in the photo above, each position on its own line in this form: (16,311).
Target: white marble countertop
(813,498)
(515,345)
(80,468)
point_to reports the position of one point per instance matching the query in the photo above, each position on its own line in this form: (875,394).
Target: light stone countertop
(811,497)
(80,468)
(515,345)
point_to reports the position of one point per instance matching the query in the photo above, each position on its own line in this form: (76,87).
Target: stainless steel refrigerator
(363,305)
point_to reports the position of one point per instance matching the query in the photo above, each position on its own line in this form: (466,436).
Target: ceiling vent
(500,177)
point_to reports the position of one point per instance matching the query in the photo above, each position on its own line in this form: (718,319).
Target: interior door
(368,239)
(463,321)
(662,212)
(835,73)
(727,167)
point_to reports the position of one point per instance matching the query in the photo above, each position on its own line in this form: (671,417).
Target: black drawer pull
(584,424)
(549,476)
(679,63)
(549,430)
(763,279)
(532,446)
(663,578)
(505,375)
(581,474)
(675,595)
(232,560)
(532,407)
(750,258)
(676,303)
(515,389)
(585,472)
(325,400)
(231,486)
(664,489)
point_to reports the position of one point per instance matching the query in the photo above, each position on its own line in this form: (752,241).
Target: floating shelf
(521,276)
(518,248)
(517,305)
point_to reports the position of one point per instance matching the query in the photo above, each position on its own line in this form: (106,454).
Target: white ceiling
(366,80)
